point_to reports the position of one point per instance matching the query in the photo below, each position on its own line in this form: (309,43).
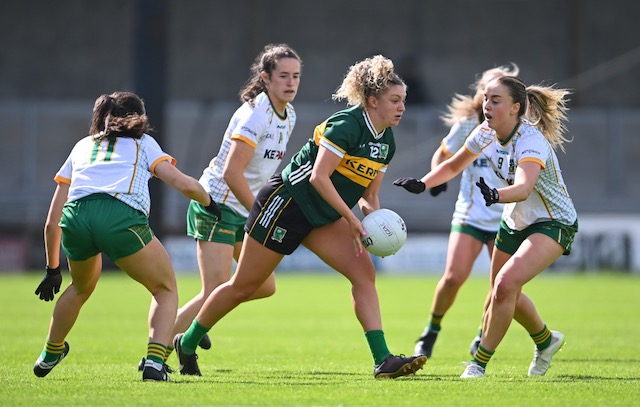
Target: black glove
(435,191)
(50,284)
(491,195)
(415,186)
(214,209)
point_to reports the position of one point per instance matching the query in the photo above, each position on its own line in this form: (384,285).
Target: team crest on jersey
(379,150)
(278,234)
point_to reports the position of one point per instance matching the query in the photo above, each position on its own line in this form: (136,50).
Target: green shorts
(202,225)
(481,235)
(99,223)
(509,240)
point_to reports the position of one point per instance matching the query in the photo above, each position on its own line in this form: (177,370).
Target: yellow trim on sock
(483,355)
(53,347)
(541,336)
(156,350)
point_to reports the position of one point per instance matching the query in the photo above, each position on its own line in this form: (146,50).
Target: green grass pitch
(304,347)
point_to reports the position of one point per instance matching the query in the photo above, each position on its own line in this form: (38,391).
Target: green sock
(542,339)
(52,350)
(192,337)
(482,356)
(168,353)
(156,352)
(378,346)
(434,324)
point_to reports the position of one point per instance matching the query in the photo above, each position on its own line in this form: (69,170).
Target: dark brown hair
(119,114)
(266,61)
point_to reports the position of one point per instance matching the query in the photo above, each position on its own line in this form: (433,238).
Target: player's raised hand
(415,186)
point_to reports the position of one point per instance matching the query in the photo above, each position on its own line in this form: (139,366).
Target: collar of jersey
(513,132)
(275,111)
(369,124)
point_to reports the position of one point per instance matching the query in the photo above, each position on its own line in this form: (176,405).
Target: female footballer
(101,206)
(311,202)
(539,221)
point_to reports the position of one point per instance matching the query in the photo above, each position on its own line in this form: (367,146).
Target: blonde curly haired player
(311,203)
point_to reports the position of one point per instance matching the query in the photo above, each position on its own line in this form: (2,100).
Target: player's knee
(267,289)
(81,293)
(454,280)
(505,289)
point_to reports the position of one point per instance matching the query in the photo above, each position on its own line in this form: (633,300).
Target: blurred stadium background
(189,58)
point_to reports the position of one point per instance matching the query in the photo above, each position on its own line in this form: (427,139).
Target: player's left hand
(415,186)
(490,195)
(50,284)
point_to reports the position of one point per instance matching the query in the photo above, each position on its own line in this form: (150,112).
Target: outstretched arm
(187,185)
(442,173)
(449,168)
(438,156)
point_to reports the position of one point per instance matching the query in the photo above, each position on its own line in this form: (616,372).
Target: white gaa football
(386,232)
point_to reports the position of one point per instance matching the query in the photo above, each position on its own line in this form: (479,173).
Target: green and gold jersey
(349,134)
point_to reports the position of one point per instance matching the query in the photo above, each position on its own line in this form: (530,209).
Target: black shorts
(275,219)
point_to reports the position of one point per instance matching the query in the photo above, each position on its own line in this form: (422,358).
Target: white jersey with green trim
(470,206)
(118,166)
(261,127)
(549,200)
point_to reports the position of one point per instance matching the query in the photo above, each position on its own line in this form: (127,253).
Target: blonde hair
(547,109)
(543,106)
(369,77)
(464,107)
